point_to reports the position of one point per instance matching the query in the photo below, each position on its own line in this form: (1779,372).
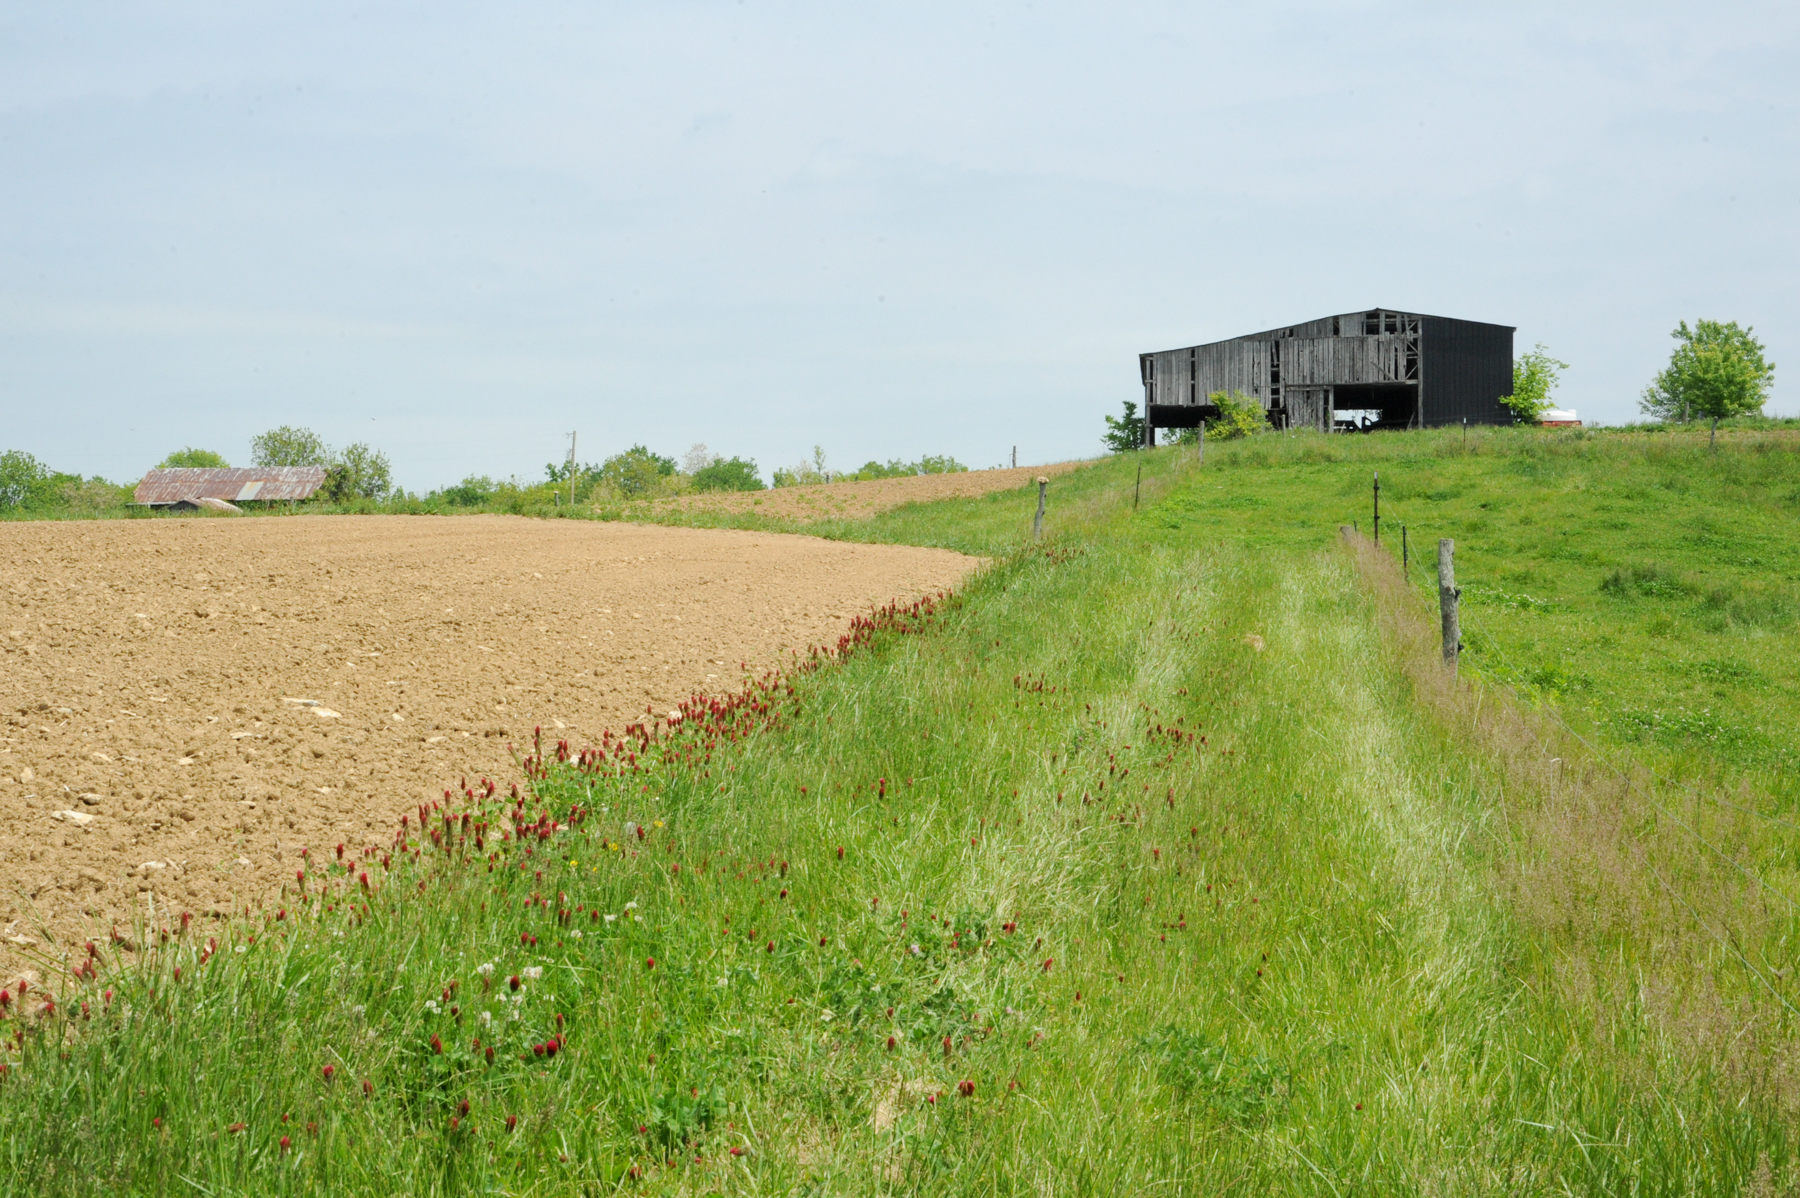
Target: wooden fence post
(1448,594)
(1037,521)
(1405,557)
(1378,508)
(1202,456)
(1137,487)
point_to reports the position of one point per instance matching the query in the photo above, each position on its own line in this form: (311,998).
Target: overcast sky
(460,231)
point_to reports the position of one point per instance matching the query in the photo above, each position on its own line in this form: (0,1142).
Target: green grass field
(1162,859)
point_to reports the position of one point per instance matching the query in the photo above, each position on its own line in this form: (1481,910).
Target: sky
(458,232)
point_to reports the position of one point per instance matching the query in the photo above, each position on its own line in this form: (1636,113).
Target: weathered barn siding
(1413,369)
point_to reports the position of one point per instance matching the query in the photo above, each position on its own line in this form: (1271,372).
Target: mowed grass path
(1154,911)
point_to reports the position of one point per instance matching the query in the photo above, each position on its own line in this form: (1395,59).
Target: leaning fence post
(1037,521)
(1137,487)
(1448,594)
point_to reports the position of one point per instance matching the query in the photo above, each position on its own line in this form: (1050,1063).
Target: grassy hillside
(1161,860)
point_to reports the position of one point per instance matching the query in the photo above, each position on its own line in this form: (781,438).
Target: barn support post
(1037,521)
(1448,594)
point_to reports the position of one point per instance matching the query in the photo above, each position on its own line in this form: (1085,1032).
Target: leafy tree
(1716,372)
(358,472)
(1534,377)
(191,457)
(1124,433)
(637,473)
(727,474)
(1240,415)
(26,482)
(289,446)
(697,458)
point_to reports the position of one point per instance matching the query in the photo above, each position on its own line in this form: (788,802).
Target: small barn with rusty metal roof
(185,486)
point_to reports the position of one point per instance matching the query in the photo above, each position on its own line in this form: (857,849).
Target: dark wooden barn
(1405,369)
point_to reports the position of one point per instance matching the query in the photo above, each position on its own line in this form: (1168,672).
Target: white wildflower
(485,968)
(610,918)
(532,973)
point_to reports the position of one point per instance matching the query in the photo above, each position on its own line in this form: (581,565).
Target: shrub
(1240,415)
(727,474)
(806,474)
(472,491)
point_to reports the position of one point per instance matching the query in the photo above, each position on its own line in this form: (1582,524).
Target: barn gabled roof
(173,485)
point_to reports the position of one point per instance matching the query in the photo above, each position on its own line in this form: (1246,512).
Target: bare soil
(185,705)
(857,500)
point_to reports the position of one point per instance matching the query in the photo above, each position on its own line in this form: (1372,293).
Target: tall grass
(1145,865)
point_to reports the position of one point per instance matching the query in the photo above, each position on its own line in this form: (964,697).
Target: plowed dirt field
(857,500)
(188,704)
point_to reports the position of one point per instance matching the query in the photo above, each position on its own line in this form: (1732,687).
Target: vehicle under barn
(1375,369)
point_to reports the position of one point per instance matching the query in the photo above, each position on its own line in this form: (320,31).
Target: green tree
(1717,371)
(637,473)
(1124,433)
(289,446)
(1535,376)
(727,474)
(1240,415)
(358,472)
(26,482)
(191,457)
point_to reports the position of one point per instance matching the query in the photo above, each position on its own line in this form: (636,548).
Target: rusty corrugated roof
(232,485)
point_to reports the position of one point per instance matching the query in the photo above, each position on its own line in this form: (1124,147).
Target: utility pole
(571,469)
(1015,464)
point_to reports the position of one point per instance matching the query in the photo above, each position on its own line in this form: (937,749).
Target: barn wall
(1468,367)
(1240,365)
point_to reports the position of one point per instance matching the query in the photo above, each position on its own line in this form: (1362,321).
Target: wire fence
(1605,758)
